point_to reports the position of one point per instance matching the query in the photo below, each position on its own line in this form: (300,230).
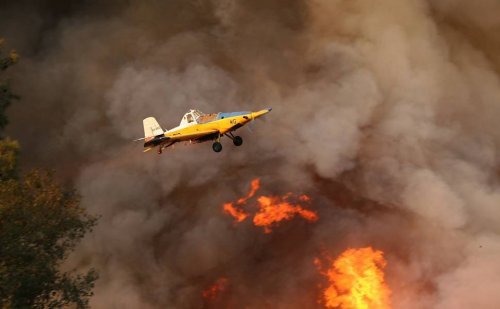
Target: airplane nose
(260,113)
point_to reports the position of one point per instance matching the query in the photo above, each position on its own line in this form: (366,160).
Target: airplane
(197,127)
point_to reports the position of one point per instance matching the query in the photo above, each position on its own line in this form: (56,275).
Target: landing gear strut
(237,140)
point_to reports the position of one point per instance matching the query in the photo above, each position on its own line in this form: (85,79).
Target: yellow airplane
(197,127)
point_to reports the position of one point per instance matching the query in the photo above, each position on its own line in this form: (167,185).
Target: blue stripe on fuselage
(227,115)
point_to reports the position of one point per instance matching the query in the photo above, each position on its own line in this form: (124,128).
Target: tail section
(151,127)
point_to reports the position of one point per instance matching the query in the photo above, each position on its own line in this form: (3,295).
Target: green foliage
(6,95)
(40,224)
(11,59)
(9,152)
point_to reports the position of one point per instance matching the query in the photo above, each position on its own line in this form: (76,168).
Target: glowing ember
(215,289)
(275,209)
(271,209)
(357,281)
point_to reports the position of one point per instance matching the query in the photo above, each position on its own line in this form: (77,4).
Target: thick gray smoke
(386,113)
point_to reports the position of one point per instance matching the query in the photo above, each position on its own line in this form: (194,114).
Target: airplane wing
(170,139)
(180,136)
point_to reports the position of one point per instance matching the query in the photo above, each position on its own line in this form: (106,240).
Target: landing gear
(237,141)
(217,146)
(159,150)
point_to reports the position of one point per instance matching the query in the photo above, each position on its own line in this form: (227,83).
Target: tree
(9,153)
(9,149)
(40,224)
(6,95)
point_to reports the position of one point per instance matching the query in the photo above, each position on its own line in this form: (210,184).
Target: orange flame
(254,186)
(215,289)
(357,281)
(239,214)
(275,209)
(271,209)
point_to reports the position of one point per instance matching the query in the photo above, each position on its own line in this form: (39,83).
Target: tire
(237,141)
(217,147)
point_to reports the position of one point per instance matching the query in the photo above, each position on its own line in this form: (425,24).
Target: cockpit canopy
(191,117)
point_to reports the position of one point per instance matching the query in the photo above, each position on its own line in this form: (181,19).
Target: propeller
(250,127)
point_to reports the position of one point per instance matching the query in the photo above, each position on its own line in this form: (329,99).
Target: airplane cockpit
(191,117)
(195,116)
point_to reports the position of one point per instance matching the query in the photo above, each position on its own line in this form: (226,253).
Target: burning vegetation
(271,210)
(356,280)
(234,208)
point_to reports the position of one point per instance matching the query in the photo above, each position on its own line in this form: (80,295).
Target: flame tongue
(275,209)
(239,214)
(271,209)
(255,185)
(357,281)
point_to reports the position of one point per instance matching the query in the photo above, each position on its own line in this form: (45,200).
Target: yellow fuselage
(221,126)
(199,128)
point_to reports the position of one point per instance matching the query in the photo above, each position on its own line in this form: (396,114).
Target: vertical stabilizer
(151,127)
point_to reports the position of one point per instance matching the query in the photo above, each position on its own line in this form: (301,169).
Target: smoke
(384,113)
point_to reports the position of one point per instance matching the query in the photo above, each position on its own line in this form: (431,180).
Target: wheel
(237,141)
(217,147)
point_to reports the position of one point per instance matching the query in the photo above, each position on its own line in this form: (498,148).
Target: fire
(215,289)
(240,215)
(254,186)
(271,209)
(356,281)
(275,209)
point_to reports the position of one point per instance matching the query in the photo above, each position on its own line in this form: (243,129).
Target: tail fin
(151,127)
